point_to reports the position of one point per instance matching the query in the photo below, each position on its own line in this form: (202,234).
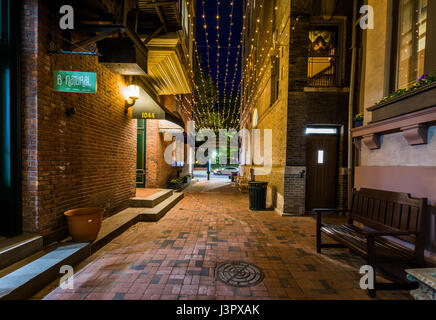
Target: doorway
(10,119)
(322,167)
(141,153)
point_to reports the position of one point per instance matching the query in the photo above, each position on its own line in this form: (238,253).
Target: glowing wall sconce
(131,94)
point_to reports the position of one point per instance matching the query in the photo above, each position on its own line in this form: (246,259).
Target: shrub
(423,81)
(177,180)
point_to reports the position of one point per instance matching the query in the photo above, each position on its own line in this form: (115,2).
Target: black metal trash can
(257,192)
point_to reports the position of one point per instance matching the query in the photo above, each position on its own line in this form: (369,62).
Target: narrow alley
(176,258)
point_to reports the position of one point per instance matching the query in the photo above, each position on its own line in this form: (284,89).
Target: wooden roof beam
(159,4)
(98,37)
(160,15)
(154,34)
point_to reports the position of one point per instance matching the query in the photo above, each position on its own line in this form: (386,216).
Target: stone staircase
(152,200)
(27,267)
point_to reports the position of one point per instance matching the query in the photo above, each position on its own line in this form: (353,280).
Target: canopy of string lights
(217,71)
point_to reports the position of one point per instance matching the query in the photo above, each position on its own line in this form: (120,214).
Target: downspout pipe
(350,168)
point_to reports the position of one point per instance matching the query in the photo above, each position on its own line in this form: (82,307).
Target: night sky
(225,9)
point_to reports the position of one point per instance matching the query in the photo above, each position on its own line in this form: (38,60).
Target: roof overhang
(166,65)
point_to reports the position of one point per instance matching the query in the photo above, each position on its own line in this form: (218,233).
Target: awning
(169,127)
(146,107)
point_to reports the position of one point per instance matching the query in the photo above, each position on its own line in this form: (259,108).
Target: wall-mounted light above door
(131,93)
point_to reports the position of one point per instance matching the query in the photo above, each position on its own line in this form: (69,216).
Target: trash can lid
(257,182)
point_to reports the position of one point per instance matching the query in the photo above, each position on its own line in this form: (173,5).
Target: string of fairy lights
(228,53)
(227,111)
(248,74)
(214,109)
(206,35)
(251,94)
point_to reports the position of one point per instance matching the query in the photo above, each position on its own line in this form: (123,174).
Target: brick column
(29,74)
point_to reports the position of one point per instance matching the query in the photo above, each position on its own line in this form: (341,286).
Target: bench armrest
(321,211)
(388,233)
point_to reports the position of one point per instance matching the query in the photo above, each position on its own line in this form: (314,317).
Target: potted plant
(420,96)
(358,120)
(187,178)
(176,183)
(84,223)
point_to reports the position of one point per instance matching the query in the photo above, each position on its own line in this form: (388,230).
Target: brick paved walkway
(175,258)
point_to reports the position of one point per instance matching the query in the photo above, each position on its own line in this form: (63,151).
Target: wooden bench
(385,217)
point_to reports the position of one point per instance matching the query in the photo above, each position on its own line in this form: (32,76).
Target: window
(321,131)
(255,118)
(185,22)
(178,152)
(320,157)
(412,26)
(275,78)
(323,57)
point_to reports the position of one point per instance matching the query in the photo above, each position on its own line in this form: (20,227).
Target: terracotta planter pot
(84,223)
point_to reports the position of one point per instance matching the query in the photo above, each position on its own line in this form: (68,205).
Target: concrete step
(30,278)
(156,213)
(115,225)
(26,277)
(15,249)
(34,271)
(151,201)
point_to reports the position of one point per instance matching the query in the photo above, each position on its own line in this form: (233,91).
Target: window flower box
(415,100)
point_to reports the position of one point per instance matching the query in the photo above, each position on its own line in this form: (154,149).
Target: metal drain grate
(239,274)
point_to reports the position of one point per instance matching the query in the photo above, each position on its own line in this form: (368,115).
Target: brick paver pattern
(176,257)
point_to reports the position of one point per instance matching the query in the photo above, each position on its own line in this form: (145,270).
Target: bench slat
(405,216)
(414,219)
(382,211)
(376,209)
(396,216)
(351,236)
(389,213)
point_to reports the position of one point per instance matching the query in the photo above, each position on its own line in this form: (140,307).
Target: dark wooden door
(322,168)
(140,153)
(10,120)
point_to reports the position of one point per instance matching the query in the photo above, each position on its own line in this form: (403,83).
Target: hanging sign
(75,81)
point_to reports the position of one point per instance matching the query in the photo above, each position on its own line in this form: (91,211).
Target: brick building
(65,150)
(302,88)
(396,145)
(296,82)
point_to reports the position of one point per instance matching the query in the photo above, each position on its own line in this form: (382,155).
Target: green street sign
(75,81)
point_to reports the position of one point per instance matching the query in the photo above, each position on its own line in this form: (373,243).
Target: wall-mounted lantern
(131,94)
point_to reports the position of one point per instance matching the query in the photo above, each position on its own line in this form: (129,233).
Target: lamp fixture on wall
(131,94)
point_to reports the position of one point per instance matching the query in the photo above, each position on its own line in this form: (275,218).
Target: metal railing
(324,78)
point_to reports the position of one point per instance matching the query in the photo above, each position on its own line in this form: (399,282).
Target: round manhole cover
(239,274)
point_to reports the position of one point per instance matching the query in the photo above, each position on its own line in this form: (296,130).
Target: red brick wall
(29,110)
(87,159)
(158,172)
